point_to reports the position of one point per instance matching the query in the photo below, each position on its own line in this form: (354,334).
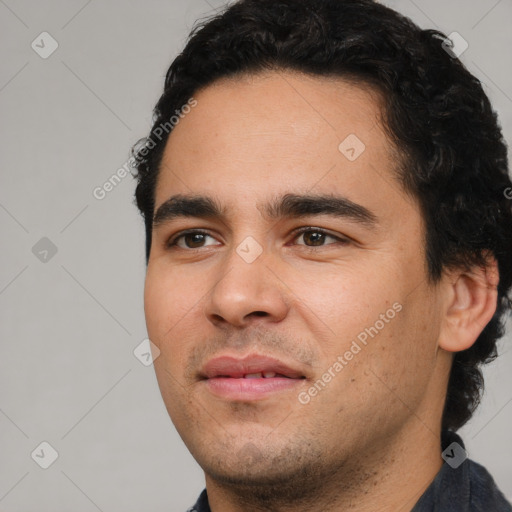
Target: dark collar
(461,485)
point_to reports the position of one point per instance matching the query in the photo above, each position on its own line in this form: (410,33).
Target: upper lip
(231,366)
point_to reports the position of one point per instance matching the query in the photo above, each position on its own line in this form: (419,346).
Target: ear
(470,303)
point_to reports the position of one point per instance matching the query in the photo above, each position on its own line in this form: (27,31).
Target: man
(329,252)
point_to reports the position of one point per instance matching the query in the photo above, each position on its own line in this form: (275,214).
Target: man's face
(351,290)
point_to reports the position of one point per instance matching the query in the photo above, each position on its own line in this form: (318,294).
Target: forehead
(278,132)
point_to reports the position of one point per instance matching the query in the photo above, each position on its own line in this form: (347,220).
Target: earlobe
(471,303)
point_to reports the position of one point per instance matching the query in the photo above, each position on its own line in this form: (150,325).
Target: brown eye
(315,237)
(191,240)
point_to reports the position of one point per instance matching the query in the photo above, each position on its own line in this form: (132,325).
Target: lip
(230,366)
(224,377)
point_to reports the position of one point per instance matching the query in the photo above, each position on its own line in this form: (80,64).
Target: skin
(370,439)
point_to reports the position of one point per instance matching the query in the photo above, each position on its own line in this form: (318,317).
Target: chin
(259,462)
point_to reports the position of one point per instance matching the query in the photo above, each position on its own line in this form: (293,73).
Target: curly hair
(436,114)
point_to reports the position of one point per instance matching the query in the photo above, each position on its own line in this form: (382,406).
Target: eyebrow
(286,206)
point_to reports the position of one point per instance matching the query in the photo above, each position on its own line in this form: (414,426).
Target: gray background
(69,325)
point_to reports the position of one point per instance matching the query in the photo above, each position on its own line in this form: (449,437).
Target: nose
(247,293)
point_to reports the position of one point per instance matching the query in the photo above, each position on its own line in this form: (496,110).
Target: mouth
(253,377)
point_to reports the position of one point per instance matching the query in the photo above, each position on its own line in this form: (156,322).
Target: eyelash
(172,243)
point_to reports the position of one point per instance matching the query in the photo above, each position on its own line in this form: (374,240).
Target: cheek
(163,311)
(402,358)
(343,302)
(156,307)
(169,298)
(162,322)
(371,316)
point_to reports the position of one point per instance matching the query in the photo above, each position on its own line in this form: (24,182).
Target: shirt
(458,486)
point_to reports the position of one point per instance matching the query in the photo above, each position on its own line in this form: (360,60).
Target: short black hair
(436,114)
